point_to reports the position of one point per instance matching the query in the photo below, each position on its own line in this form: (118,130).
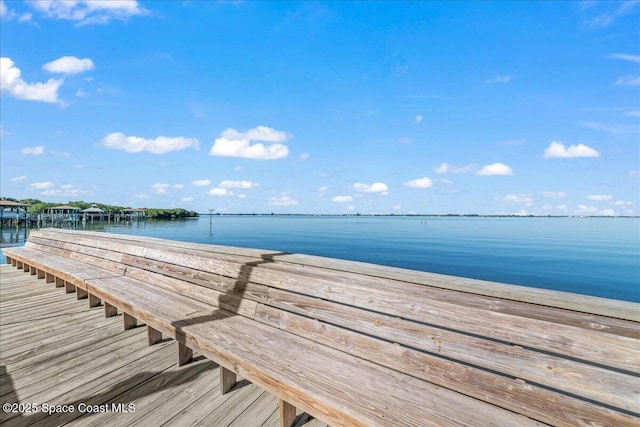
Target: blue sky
(333,108)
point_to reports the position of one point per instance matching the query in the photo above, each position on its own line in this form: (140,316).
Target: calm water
(594,256)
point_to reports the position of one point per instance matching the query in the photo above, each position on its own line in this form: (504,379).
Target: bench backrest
(548,363)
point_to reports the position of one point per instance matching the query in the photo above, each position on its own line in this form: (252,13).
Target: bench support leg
(20,265)
(287,413)
(129,321)
(48,278)
(59,282)
(110,310)
(68,287)
(154,336)
(81,293)
(227,380)
(32,270)
(94,301)
(185,354)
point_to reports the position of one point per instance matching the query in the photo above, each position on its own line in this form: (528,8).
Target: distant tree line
(37,206)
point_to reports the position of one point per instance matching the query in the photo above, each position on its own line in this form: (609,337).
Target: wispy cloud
(447,168)
(283,201)
(601,19)
(626,57)
(628,80)
(524,199)
(89,11)
(560,151)
(233,143)
(499,79)
(10,14)
(342,199)
(238,184)
(201,182)
(376,187)
(600,197)
(158,145)
(33,151)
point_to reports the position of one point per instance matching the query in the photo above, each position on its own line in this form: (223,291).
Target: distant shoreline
(421,215)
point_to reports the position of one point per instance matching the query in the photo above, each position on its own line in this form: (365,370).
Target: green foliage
(37,207)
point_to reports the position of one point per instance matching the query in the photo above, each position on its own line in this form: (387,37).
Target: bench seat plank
(262,354)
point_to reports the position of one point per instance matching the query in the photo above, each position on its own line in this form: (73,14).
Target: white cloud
(42,185)
(282,201)
(69,65)
(376,187)
(628,80)
(592,210)
(555,194)
(525,199)
(238,184)
(633,173)
(325,188)
(304,156)
(499,79)
(220,192)
(626,57)
(201,182)
(178,186)
(6,13)
(342,199)
(623,203)
(351,208)
(18,178)
(419,183)
(447,168)
(418,119)
(495,169)
(33,151)
(89,11)
(600,197)
(159,145)
(238,144)
(160,188)
(186,199)
(12,83)
(558,150)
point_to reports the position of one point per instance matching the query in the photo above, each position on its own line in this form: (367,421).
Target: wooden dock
(56,351)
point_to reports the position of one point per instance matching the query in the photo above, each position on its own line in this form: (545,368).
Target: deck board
(69,354)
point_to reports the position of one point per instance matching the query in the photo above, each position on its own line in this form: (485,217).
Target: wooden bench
(360,344)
